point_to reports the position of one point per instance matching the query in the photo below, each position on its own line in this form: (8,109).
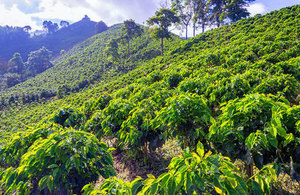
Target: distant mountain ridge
(63,39)
(231,93)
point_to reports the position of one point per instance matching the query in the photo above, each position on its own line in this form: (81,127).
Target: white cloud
(50,10)
(111,12)
(12,12)
(14,17)
(257,8)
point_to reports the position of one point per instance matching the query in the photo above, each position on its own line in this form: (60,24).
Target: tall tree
(27,28)
(50,26)
(237,9)
(184,10)
(202,13)
(233,10)
(100,27)
(16,64)
(164,18)
(86,18)
(39,61)
(194,4)
(111,51)
(218,11)
(11,79)
(64,23)
(129,31)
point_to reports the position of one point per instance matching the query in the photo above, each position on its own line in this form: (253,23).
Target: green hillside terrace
(228,97)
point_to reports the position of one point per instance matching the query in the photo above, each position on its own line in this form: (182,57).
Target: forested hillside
(84,66)
(229,97)
(18,39)
(27,55)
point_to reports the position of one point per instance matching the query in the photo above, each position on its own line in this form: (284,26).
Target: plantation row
(62,161)
(83,65)
(228,94)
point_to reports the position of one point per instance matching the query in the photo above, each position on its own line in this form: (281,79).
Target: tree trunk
(186,32)
(203,26)
(128,48)
(194,23)
(249,169)
(162,46)
(218,22)
(194,29)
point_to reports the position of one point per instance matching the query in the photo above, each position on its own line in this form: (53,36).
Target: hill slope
(83,66)
(63,39)
(235,89)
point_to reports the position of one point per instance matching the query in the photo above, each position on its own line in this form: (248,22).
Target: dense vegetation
(21,40)
(31,57)
(232,91)
(74,72)
(19,71)
(208,13)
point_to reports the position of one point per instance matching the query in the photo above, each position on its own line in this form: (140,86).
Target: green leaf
(232,182)
(135,185)
(272,173)
(55,173)
(171,186)
(218,190)
(281,131)
(87,188)
(77,163)
(264,140)
(273,141)
(250,140)
(273,131)
(164,178)
(154,188)
(52,166)
(43,182)
(260,180)
(50,182)
(11,178)
(187,181)
(288,139)
(256,188)
(200,149)
(199,181)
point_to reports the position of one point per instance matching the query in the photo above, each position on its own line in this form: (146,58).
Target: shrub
(185,116)
(174,80)
(254,127)
(62,163)
(69,117)
(10,154)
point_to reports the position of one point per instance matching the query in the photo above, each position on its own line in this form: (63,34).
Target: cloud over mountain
(32,12)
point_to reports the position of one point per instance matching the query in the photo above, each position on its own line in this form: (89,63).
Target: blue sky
(271,5)
(33,12)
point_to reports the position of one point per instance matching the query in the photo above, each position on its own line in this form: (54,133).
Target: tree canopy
(100,27)
(129,31)
(209,12)
(50,26)
(185,11)
(64,23)
(229,95)
(27,28)
(164,18)
(111,51)
(233,10)
(39,61)
(16,64)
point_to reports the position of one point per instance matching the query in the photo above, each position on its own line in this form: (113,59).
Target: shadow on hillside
(129,165)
